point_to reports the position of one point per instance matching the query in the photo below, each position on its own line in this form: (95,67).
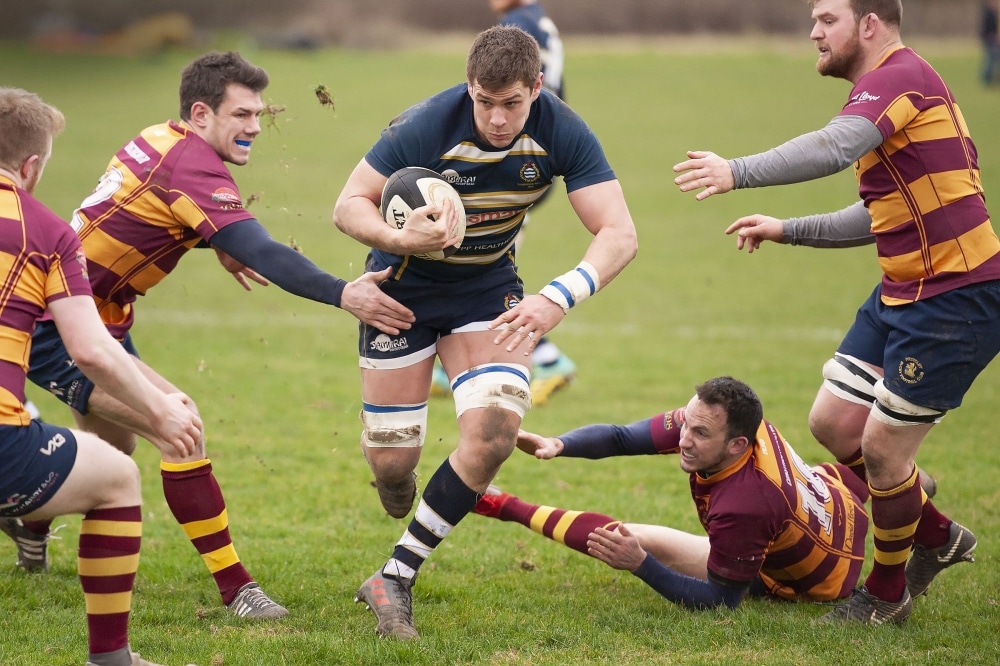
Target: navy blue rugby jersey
(497,185)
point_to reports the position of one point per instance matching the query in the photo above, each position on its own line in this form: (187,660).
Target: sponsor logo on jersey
(911,370)
(864,96)
(136,153)
(81,259)
(383,343)
(228,197)
(458,181)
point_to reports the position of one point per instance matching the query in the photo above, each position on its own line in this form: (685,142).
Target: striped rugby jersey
(802,530)
(922,185)
(42,261)
(162,193)
(497,185)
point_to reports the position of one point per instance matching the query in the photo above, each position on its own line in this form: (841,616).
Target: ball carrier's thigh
(491,397)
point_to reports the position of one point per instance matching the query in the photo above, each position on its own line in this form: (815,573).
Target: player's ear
(737,445)
(199,114)
(536,89)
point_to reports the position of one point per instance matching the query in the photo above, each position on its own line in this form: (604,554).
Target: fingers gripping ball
(413,187)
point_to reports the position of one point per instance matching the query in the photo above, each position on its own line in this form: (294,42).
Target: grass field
(276,377)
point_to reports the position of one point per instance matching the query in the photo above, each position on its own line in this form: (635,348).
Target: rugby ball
(413,187)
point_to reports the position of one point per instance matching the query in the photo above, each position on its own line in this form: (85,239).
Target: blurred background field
(276,377)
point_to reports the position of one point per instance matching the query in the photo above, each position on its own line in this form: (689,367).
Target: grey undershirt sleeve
(827,151)
(848,227)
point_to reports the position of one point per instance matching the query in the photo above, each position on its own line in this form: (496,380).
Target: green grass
(276,377)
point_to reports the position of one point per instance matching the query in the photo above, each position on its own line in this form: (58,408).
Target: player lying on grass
(775,526)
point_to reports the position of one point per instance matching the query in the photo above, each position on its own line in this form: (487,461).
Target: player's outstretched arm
(706,170)
(753,230)
(242,274)
(106,363)
(248,243)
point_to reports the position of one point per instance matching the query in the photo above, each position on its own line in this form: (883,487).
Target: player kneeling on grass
(776,527)
(46,470)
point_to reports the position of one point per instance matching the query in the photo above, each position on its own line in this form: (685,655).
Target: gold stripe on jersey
(936,122)
(10,205)
(490,200)
(958,255)
(927,193)
(467,151)
(15,345)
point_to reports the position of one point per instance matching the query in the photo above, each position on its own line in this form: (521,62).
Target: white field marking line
(212,319)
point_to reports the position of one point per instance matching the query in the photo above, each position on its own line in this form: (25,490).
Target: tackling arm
(249,243)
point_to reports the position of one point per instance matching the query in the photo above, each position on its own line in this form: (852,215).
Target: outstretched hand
(365,299)
(754,230)
(542,448)
(618,548)
(240,273)
(707,170)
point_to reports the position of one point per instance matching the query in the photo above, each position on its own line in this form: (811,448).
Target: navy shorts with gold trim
(932,350)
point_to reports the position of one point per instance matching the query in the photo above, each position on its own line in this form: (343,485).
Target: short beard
(841,66)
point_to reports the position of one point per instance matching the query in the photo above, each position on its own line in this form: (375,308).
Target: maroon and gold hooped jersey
(164,192)
(800,528)
(922,186)
(41,261)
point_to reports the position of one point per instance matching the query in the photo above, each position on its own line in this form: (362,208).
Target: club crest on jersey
(911,370)
(510,301)
(529,172)
(228,198)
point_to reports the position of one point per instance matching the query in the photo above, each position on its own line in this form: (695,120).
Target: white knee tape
(394,426)
(849,379)
(503,385)
(893,410)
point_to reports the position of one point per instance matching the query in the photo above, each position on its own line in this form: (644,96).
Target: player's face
(705,443)
(835,31)
(231,129)
(500,115)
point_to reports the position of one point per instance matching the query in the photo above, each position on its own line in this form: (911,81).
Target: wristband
(573,287)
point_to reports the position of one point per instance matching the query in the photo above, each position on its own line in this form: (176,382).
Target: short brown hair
(888,11)
(741,404)
(206,79)
(503,56)
(26,126)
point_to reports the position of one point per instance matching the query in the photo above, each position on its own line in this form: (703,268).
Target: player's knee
(895,410)
(850,379)
(394,426)
(502,385)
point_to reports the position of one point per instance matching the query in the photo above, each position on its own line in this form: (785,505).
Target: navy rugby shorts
(440,308)
(51,368)
(930,351)
(34,462)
